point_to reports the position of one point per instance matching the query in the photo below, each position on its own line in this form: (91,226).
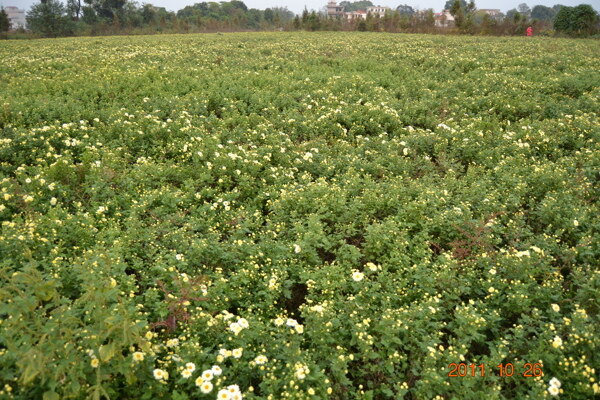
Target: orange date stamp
(528,370)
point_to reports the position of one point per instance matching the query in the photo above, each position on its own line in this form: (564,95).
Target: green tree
(107,9)
(576,21)
(542,13)
(74,9)
(524,10)
(356,5)
(405,9)
(49,18)
(510,15)
(4,21)
(457,10)
(450,3)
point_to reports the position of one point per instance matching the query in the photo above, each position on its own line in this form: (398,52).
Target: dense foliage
(301,215)
(4,21)
(579,21)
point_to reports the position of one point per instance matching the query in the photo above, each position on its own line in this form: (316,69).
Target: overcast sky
(298,5)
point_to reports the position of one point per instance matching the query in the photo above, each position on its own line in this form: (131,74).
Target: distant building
(360,14)
(336,11)
(378,10)
(16,16)
(494,13)
(333,10)
(444,19)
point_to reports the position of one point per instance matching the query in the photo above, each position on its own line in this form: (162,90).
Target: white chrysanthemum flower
(555,382)
(523,253)
(278,321)
(318,308)
(138,356)
(225,353)
(160,374)
(172,342)
(206,387)
(186,373)
(216,370)
(207,375)
(291,322)
(555,307)
(95,363)
(372,266)
(299,328)
(235,328)
(557,342)
(53,201)
(357,276)
(243,322)
(237,353)
(223,395)
(236,396)
(553,390)
(575,222)
(233,389)
(297,249)
(190,366)
(259,360)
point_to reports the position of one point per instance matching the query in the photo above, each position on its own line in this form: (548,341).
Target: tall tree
(450,3)
(4,21)
(49,18)
(524,9)
(74,9)
(356,5)
(577,21)
(107,9)
(542,13)
(405,9)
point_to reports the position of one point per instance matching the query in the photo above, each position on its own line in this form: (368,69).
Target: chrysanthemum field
(300,216)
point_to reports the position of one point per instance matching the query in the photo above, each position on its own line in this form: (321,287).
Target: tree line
(53,18)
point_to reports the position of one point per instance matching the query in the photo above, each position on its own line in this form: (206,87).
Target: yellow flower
(555,307)
(557,342)
(95,362)
(138,356)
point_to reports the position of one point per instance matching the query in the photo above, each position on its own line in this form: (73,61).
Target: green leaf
(51,395)
(107,351)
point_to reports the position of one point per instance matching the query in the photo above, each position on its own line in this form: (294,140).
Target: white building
(444,19)
(334,10)
(16,16)
(378,10)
